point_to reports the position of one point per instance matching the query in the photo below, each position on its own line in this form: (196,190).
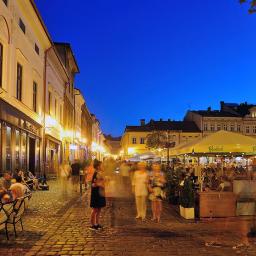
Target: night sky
(156,58)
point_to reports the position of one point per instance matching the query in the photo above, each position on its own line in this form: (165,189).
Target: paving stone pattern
(58,225)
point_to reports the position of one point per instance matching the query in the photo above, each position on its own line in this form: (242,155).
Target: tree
(156,140)
(252,4)
(160,140)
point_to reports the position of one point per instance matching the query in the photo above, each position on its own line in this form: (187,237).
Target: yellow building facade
(134,138)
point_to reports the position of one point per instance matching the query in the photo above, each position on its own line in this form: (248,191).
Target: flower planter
(187,213)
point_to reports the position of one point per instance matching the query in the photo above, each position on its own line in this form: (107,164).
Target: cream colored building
(232,117)
(69,62)
(56,80)
(23,43)
(134,138)
(80,140)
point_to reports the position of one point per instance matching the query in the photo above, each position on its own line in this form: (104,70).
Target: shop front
(20,140)
(222,167)
(53,155)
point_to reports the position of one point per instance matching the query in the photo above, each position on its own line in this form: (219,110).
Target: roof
(110,137)
(41,20)
(215,113)
(184,126)
(68,45)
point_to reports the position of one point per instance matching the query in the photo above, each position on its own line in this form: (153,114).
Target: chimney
(222,105)
(161,119)
(169,120)
(142,122)
(209,109)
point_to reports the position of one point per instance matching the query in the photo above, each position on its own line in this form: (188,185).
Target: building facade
(56,80)
(43,118)
(23,43)
(232,117)
(98,140)
(86,123)
(134,138)
(69,62)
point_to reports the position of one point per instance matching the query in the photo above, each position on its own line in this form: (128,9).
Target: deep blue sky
(156,58)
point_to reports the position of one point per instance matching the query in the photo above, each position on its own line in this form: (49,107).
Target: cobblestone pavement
(58,225)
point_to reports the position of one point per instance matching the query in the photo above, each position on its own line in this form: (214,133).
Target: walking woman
(140,188)
(98,200)
(156,185)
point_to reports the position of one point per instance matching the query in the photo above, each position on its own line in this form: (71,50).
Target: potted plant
(187,200)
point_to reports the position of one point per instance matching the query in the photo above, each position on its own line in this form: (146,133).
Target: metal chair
(5,210)
(16,214)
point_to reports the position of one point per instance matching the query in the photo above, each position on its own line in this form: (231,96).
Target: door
(32,155)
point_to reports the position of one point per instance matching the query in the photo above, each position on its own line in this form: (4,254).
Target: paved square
(57,224)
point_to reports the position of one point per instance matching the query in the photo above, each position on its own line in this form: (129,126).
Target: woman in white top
(140,188)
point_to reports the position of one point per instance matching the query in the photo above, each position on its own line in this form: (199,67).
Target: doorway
(32,155)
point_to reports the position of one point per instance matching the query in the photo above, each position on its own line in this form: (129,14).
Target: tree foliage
(157,139)
(252,3)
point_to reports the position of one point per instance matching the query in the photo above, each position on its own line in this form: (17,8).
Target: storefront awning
(220,142)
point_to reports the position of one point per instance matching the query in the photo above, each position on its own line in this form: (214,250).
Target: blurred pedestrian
(98,200)
(89,173)
(65,173)
(140,189)
(75,172)
(156,185)
(124,171)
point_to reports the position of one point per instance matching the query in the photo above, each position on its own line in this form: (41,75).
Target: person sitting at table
(225,184)
(18,189)
(31,177)
(15,174)
(5,181)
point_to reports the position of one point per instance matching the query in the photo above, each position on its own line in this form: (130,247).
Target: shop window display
(8,149)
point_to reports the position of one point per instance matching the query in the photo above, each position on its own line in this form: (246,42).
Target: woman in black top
(97,195)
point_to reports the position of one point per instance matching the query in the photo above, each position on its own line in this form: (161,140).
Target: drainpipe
(74,119)
(44,110)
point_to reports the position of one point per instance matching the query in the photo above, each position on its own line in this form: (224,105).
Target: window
(205,127)
(142,140)
(232,127)
(212,127)
(22,26)
(218,127)
(37,49)
(35,96)
(225,127)
(19,82)
(8,149)
(55,108)
(5,2)
(238,128)
(247,129)
(50,101)
(1,64)
(134,141)
(254,129)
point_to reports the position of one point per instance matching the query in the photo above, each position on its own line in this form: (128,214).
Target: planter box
(187,213)
(217,204)
(245,188)
(245,208)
